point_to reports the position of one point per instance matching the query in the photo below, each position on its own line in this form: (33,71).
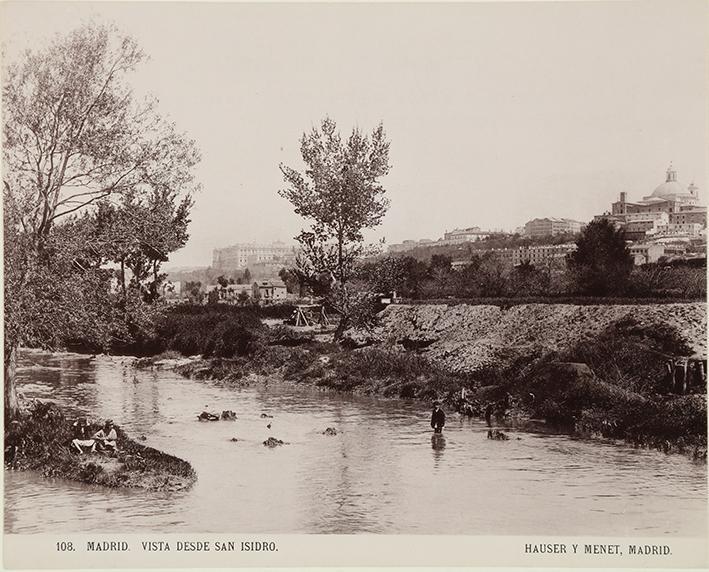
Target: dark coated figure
(438,418)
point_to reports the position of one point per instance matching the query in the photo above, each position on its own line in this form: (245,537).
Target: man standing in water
(438,418)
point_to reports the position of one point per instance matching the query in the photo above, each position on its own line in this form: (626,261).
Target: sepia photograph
(340,283)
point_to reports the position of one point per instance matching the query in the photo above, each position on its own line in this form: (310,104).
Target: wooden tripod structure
(310,315)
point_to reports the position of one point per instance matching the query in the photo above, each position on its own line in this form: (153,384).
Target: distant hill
(464,250)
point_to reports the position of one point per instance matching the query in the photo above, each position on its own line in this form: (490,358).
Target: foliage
(219,330)
(339,193)
(91,175)
(41,440)
(194,292)
(601,263)
(139,232)
(668,280)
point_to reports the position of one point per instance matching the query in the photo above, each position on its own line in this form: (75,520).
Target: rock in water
(228,415)
(273,442)
(233,439)
(206,416)
(266,416)
(330,431)
(497,435)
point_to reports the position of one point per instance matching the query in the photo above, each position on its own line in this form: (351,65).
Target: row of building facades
(658,225)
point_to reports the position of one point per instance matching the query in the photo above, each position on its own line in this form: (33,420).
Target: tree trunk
(123,278)
(12,405)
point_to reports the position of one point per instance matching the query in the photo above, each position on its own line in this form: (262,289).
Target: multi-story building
(671,210)
(240,255)
(689,215)
(535,255)
(465,235)
(669,197)
(550,226)
(691,230)
(410,245)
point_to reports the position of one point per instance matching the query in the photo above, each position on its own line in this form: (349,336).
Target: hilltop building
(550,226)
(535,255)
(669,197)
(241,255)
(671,211)
(409,245)
(465,235)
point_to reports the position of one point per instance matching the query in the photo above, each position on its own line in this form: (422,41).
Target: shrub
(217,330)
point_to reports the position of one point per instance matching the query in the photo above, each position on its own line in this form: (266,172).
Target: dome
(670,188)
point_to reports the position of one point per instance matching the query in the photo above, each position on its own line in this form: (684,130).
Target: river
(379,474)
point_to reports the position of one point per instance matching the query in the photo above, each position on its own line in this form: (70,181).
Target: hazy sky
(496,112)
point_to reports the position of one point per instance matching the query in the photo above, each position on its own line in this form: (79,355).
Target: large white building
(549,226)
(240,255)
(460,235)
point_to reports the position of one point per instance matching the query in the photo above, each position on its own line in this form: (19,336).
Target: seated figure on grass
(105,438)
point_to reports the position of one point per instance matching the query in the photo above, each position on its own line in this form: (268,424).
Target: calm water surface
(380,474)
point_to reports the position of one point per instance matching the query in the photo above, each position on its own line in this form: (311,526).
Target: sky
(497,112)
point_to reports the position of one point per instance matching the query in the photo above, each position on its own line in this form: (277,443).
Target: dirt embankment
(469,338)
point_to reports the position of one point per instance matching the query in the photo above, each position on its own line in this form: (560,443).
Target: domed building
(672,210)
(672,191)
(669,197)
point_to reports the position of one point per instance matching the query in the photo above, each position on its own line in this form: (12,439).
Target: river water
(379,474)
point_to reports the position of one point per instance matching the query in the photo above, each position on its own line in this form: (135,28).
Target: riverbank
(40,440)
(592,371)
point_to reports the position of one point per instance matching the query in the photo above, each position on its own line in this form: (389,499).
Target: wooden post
(683,387)
(670,364)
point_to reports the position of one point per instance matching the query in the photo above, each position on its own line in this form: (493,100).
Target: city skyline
(496,113)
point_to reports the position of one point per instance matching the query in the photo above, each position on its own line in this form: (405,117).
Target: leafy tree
(405,275)
(339,193)
(529,280)
(601,264)
(294,281)
(194,292)
(222,281)
(74,136)
(139,231)
(247,276)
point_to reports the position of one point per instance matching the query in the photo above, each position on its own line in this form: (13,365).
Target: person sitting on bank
(438,418)
(106,437)
(81,440)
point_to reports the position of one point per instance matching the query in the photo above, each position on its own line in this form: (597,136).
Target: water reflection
(374,476)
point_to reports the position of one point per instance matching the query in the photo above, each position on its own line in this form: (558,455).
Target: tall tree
(601,264)
(76,135)
(339,193)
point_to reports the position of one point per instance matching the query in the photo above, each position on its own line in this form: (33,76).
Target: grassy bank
(40,439)
(611,383)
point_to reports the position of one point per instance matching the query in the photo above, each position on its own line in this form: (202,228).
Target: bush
(631,355)
(217,330)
